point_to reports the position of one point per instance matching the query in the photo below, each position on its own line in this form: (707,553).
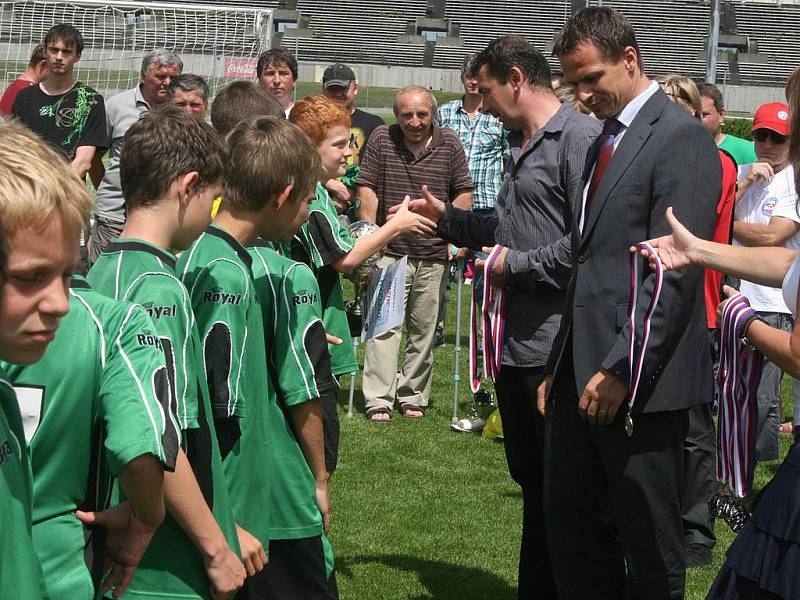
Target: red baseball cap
(773,116)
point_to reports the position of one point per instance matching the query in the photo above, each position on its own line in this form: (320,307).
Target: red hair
(316,115)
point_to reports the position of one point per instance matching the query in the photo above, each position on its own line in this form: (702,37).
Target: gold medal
(629,425)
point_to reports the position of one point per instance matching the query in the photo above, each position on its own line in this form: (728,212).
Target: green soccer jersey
(300,369)
(321,241)
(90,406)
(743,151)
(217,272)
(20,575)
(138,272)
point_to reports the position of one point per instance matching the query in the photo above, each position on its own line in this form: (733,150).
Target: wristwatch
(746,327)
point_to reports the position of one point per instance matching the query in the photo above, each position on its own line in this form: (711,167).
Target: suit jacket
(666,158)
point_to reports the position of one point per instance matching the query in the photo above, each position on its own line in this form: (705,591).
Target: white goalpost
(220,43)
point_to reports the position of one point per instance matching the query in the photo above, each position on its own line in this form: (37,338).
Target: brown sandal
(381,410)
(406,406)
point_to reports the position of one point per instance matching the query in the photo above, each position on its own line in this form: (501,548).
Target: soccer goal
(215,41)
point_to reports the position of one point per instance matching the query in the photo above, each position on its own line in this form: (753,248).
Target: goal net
(220,43)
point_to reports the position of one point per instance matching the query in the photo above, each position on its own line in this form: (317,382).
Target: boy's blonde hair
(37,184)
(265,154)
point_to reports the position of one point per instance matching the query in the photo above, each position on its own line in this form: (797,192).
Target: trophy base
(354,318)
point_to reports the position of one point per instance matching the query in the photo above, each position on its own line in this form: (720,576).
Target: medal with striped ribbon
(636,354)
(492,326)
(737,379)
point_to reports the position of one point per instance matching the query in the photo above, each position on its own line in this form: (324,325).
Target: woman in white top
(763,562)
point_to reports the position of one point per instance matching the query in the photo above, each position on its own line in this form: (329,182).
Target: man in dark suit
(613,500)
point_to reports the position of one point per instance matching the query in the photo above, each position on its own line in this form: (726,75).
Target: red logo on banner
(240,68)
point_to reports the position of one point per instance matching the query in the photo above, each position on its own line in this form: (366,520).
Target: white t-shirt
(762,201)
(790,283)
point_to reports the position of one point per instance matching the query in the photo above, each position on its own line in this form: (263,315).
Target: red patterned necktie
(610,130)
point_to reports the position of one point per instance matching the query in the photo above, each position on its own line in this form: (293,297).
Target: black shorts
(296,571)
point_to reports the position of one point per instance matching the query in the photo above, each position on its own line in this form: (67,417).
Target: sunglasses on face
(761,135)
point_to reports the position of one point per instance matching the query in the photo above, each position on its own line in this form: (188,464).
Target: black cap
(339,75)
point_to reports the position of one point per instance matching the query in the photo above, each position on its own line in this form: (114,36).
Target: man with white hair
(122,111)
(400,159)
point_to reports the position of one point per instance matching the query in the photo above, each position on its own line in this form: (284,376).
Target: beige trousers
(424,282)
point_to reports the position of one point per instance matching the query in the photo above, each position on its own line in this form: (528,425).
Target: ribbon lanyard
(738,377)
(492,326)
(636,355)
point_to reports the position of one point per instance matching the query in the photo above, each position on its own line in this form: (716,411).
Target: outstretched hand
(407,222)
(429,206)
(676,250)
(127,538)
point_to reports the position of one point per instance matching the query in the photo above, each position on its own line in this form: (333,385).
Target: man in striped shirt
(399,160)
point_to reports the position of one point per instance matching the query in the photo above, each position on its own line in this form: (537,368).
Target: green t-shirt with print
(216,270)
(139,272)
(321,241)
(299,366)
(90,406)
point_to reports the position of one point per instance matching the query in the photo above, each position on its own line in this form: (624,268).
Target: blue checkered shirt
(485,145)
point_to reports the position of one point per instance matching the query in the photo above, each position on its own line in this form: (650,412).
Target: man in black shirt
(67,114)
(339,83)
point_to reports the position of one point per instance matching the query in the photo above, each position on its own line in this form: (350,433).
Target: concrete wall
(445,80)
(113,64)
(741,100)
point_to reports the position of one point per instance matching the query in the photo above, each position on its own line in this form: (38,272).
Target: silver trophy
(360,276)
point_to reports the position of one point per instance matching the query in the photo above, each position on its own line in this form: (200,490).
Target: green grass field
(420,512)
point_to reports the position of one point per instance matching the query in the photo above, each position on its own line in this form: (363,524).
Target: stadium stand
(672,33)
(776,29)
(360,32)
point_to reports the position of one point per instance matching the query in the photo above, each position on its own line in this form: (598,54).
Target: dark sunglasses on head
(761,135)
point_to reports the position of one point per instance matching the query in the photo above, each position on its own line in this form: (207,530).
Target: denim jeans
(769,396)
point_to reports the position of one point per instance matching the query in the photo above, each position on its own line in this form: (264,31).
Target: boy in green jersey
(99,391)
(326,246)
(171,170)
(43,207)
(270,175)
(301,560)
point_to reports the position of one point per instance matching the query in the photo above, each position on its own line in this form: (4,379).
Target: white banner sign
(385,300)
